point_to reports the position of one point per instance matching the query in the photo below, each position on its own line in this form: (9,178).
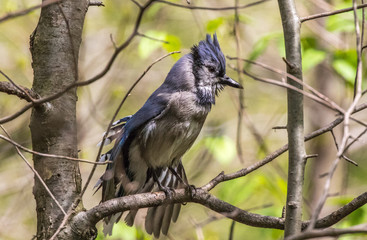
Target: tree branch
(329,232)
(211,8)
(93,79)
(17,145)
(11,89)
(28,10)
(326,14)
(82,224)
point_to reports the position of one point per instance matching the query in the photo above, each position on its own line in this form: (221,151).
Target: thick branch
(82,225)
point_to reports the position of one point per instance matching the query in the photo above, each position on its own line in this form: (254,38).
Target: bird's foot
(168,191)
(191,190)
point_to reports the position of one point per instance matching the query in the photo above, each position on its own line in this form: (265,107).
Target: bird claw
(169,192)
(192,190)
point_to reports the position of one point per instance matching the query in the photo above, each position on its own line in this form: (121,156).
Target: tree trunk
(295,126)
(54,47)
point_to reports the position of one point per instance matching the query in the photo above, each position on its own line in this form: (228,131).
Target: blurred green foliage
(263,191)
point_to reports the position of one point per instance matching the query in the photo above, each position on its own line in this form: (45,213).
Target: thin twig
(231,230)
(288,86)
(211,8)
(50,155)
(346,130)
(337,148)
(329,232)
(312,90)
(35,173)
(28,10)
(93,79)
(241,94)
(326,14)
(151,38)
(243,172)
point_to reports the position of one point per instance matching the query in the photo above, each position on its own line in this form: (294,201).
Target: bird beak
(230,82)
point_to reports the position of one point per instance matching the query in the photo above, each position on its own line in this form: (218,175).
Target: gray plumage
(150,144)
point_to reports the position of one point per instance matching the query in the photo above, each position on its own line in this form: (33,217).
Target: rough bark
(54,47)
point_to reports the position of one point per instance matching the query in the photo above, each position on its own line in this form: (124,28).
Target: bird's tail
(159,218)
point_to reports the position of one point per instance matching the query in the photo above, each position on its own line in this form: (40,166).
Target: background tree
(120,43)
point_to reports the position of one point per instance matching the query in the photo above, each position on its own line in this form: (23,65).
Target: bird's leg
(168,191)
(190,188)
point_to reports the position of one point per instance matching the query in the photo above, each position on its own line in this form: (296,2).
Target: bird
(149,145)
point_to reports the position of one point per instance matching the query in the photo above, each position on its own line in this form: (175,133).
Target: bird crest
(208,51)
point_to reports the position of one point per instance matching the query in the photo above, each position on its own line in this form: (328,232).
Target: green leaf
(260,46)
(345,64)
(342,22)
(311,57)
(281,46)
(345,69)
(174,44)
(148,46)
(213,25)
(122,231)
(222,148)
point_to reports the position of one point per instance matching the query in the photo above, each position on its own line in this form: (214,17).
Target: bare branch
(322,101)
(10,89)
(326,14)
(17,145)
(241,98)
(210,8)
(35,173)
(322,97)
(86,220)
(329,232)
(21,90)
(151,38)
(243,172)
(347,115)
(87,82)
(28,10)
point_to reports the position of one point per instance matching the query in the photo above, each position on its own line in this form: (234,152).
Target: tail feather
(109,222)
(130,218)
(159,218)
(149,223)
(166,220)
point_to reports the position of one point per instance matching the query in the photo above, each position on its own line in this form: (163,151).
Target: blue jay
(150,144)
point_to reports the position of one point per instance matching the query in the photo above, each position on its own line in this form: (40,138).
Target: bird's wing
(154,106)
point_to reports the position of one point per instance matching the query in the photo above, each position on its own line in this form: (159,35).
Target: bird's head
(209,69)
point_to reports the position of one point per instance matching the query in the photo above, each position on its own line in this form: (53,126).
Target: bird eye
(211,68)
